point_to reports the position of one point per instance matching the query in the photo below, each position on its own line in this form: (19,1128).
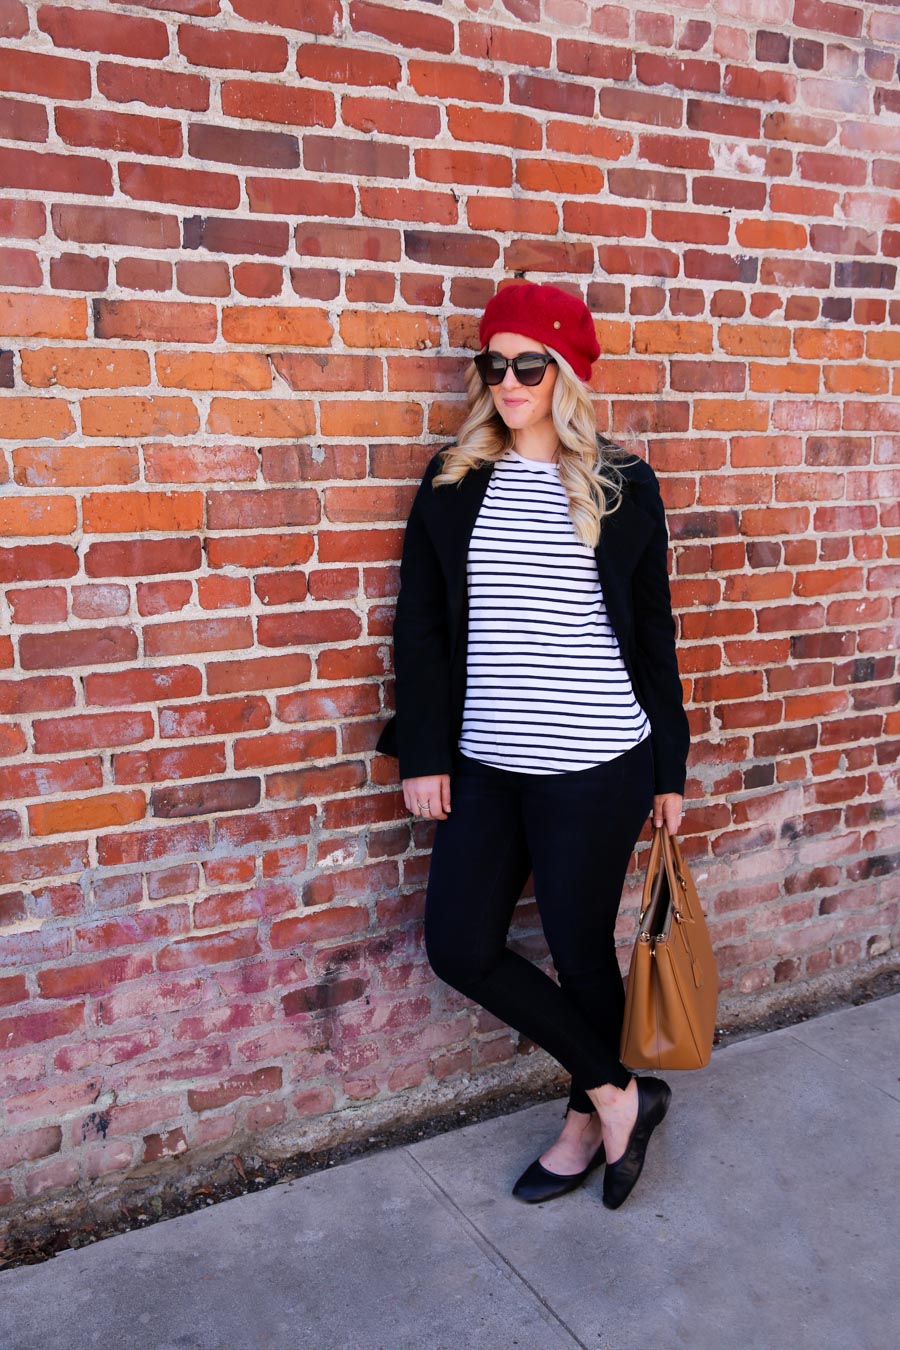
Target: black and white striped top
(547,689)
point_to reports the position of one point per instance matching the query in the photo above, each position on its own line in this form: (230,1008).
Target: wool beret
(551,316)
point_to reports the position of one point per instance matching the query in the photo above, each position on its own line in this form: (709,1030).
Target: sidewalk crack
(492,1251)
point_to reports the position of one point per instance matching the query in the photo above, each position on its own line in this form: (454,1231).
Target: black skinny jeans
(576,831)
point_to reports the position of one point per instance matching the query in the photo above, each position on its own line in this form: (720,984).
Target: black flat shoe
(537,1184)
(620,1176)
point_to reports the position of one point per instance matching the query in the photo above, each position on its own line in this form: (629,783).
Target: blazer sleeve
(422,691)
(654,627)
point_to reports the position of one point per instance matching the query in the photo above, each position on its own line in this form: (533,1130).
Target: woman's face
(521,407)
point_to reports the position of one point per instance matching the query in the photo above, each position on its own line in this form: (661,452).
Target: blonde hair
(589,463)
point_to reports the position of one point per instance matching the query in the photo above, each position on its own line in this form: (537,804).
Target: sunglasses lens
(529,368)
(491,367)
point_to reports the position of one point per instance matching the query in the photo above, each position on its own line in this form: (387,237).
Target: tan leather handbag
(672,987)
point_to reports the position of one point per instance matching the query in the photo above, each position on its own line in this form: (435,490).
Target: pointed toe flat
(620,1176)
(537,1184)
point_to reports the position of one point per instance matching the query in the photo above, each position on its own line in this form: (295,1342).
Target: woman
(539,715)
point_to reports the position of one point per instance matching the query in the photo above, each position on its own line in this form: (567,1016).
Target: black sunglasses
(529,367)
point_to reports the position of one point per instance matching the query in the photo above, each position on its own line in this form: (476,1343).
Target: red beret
(549,315)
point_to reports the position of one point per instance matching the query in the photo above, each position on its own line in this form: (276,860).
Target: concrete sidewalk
(764,1220)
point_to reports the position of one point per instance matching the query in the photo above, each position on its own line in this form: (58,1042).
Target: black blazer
(431,621)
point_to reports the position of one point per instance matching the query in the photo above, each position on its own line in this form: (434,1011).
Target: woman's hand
(667,809)
(428,797)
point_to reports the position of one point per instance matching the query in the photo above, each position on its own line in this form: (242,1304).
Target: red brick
(80,368)
(90,813)
(35,1027)
(163,597)
(92,730)
(74,465)
(595,60)
(153,766)
(39,693)
(120,850)
(188,187)
(46,605)
(268,418)
(42,316)
(204,799)
(220,717)
(224,234)
(38,562)
(288,326)
(284,196)
(211,371)
(308,628)
(208,951)
(119,131)
(464,166)
(77,272)
(219,592)
(55,173)
(203,463)
(115,225)
(20,121)
(314,926)
(38,780)
(254,1084)
(232,50)
(154,321)
(84,647)
(339,65)
(141,557)
(250,510)
(404,28)
(241,831)
(135,512)
(267,672)
(257,551)
(52,77)
(159,88)
(239,145)
(495,128)
(35,515)
(361,158)
(27,417)
(445,80)
(286,588)
(135,417)
(203,278)
(198,635)
(284,747)
(160,1146)
(133,929)
(22,220)
(13,18)
(313,16)
(100,602)
(398,117)
(515,46)
(13,989)
(206,9)
(143,274)
(259,281)
(278,103)
(94,31)
(95,978)
(173,881)
(553,95)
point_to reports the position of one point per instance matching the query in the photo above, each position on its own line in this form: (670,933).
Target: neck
(540,442)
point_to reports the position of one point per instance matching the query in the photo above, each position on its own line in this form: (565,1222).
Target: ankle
(609,1098)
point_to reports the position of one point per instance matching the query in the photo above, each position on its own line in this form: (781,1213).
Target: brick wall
(244,247)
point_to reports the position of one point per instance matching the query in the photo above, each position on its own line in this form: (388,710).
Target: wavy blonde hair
(589,463)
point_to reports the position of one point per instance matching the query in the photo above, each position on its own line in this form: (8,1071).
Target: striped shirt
(547,690)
